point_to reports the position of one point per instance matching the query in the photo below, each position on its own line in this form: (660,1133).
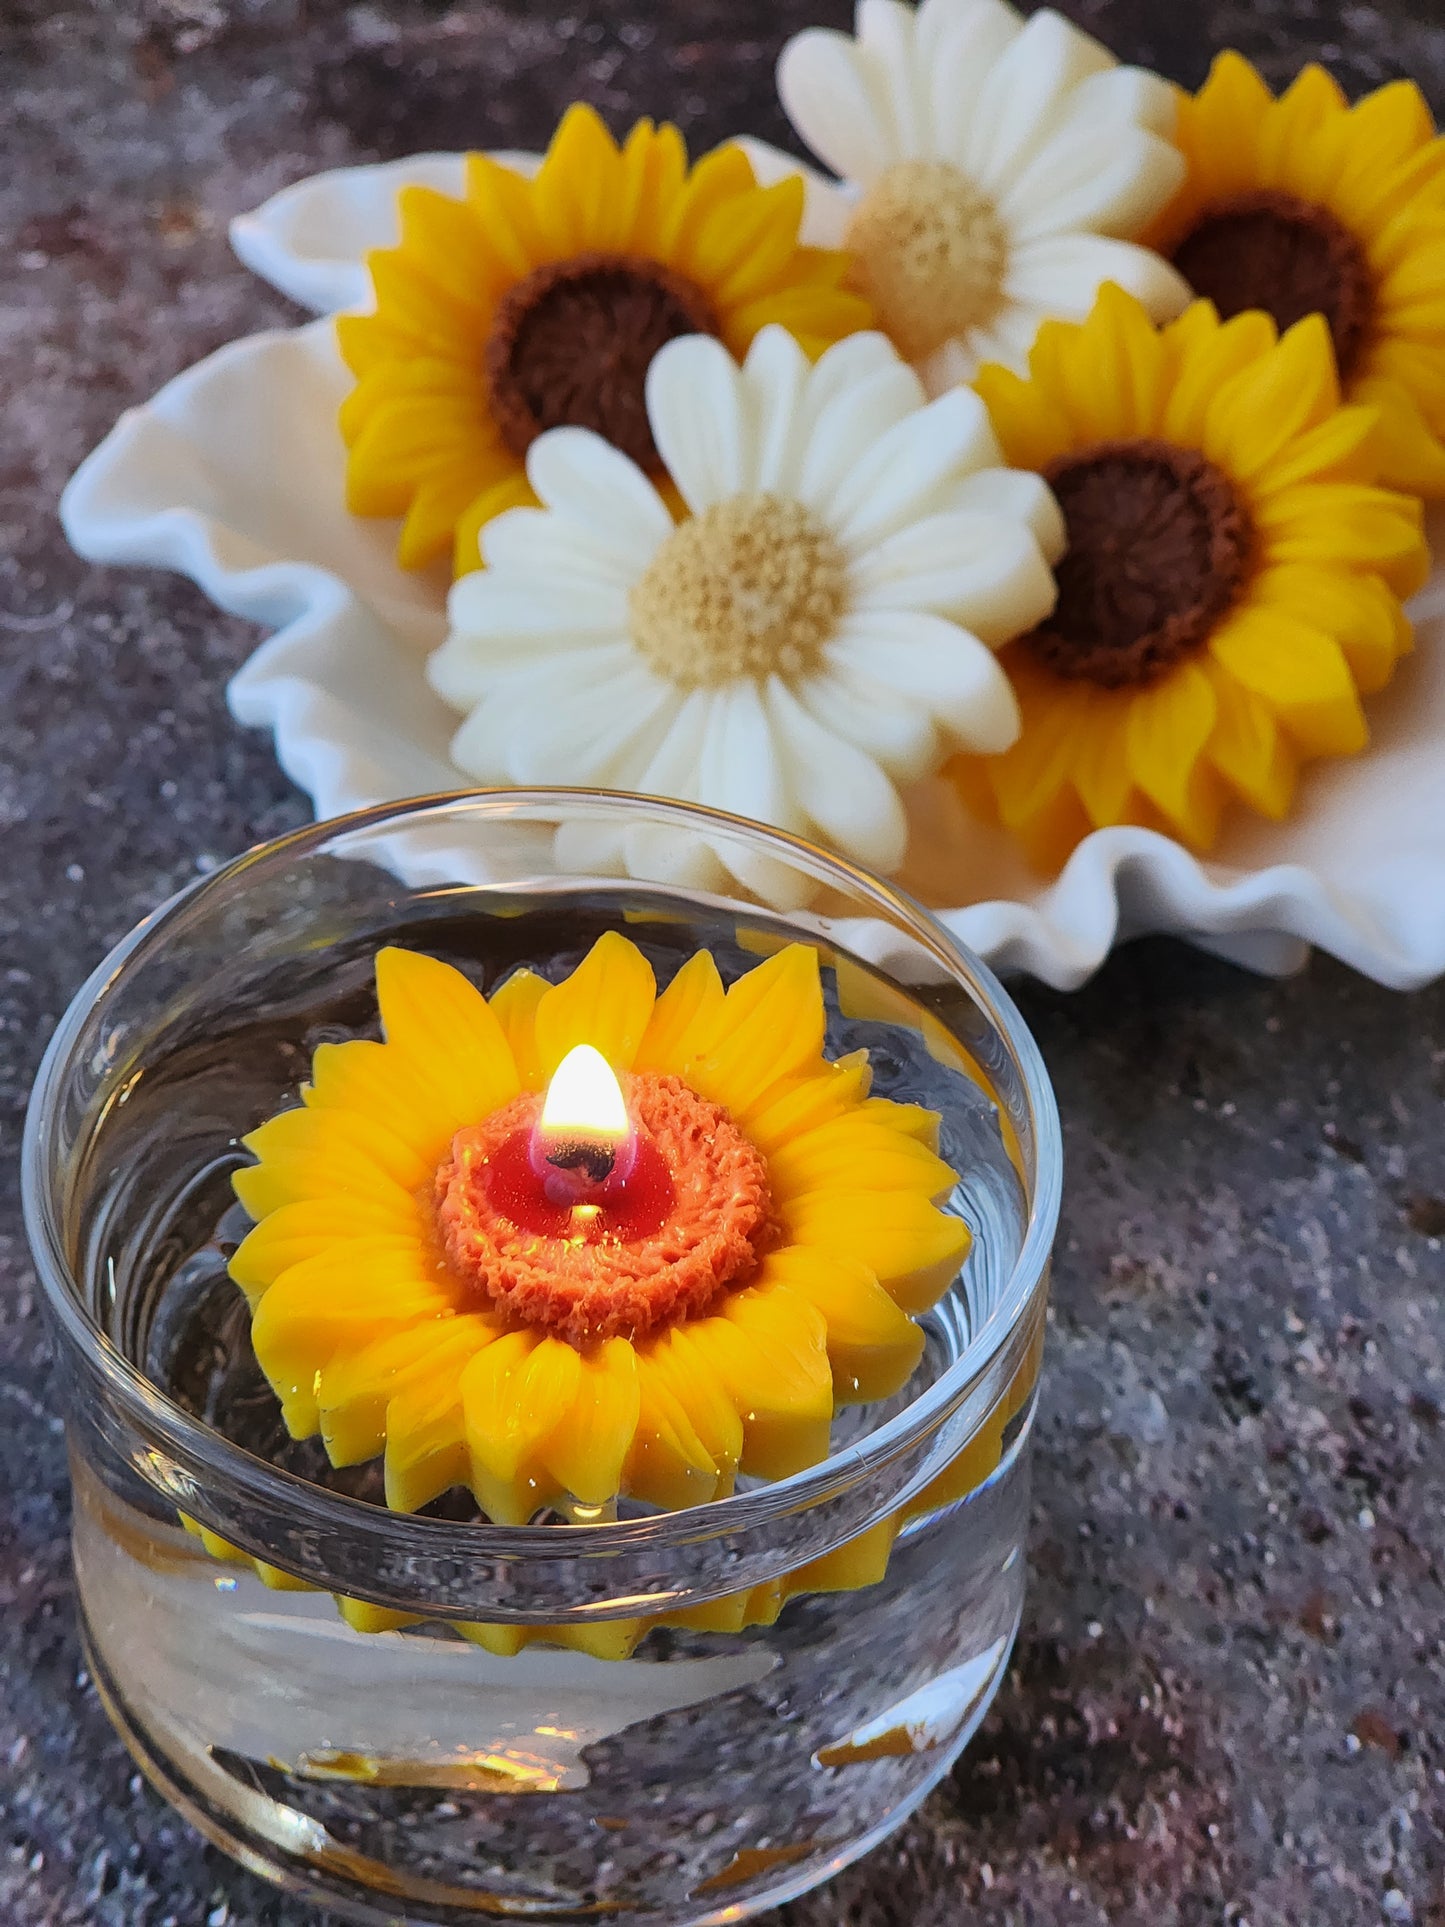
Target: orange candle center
(597,1212)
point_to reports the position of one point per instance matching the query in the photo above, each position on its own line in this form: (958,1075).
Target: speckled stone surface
(1228,1704)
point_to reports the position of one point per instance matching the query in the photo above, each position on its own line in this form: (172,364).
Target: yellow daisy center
(1159,546)
(571,344)
(929,251)
(754,586)
(1290,257)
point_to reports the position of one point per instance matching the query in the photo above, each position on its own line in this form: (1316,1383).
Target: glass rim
(144,1405)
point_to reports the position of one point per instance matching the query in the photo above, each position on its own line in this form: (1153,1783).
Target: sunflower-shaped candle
(581,1240)
(1232,583)
(538,301)
(1307,205)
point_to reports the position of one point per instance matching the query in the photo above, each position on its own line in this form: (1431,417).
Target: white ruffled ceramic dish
(233,474)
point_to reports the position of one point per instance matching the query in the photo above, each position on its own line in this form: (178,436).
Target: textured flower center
(586,1283)
(929,252)
(1159,545)
(1290,257)
(754,586)
(572,343)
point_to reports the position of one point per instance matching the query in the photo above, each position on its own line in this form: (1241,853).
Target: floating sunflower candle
(632,1271)
(534,302)
(581,1240)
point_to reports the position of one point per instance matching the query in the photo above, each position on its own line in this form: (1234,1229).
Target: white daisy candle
(992,172)
(817,629)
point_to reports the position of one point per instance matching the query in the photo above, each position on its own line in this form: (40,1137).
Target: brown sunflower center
(1158,548)
(929,252)
(620,1272)
(1290,257)
(572,342)
(754,586)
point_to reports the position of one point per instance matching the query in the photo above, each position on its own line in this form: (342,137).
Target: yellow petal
(873,1347)
(1101,774)
(1358,610)
(380,1082)
(1345,448)
(1209,354)
(1169,723)
(768,1349)
(426,1442)
(730,1614)
(413,303)
(363,1617)
(1345,523)
(512,491)
(298,1133)
(442,1026)
(851,1153)
(1300,672)
(575,188)
(445,239)
(307,1154)
(1031,429)
(276,1580)
(668,1466)
(912,1120)
(420,375)
(606,1002)
(1055,716)
(515,1394)
(1412,289)
(978,1461)
(773,1026)
(1219,127)
(1259,411)
(1249,750)
(684,1369)
(724,175)
(587,1450)
(502,202)
(661,157)
(1412,455)
(609,1639)
(502,1640)
(809,1098)
(356,1389)
(440,500)
(686,1017)
(387,1218)
(913,1249)
(1108,376)
(514,1006)
(749,245)
(860,1562)
(1312,99)
(340,1298)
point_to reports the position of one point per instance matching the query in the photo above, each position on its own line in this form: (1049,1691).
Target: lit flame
(584,1100)
(583,1140)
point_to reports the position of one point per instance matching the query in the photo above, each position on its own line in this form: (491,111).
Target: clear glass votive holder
(709,1710)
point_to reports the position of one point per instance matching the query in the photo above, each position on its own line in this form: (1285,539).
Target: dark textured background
(1228,1704)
